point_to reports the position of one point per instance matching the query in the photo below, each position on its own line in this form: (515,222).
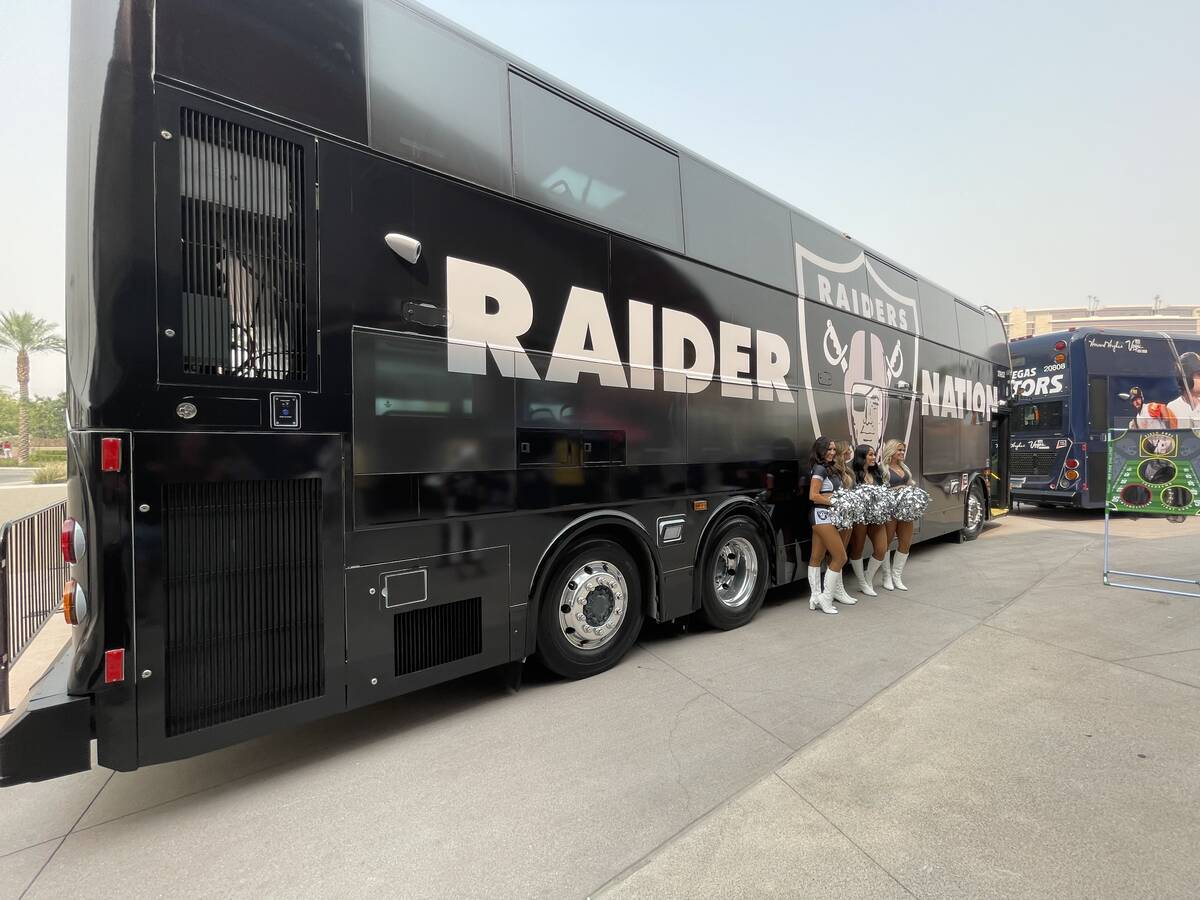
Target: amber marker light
(74,602)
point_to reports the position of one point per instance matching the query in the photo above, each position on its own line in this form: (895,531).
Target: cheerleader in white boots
(867,470)
(902,532)
(825,538)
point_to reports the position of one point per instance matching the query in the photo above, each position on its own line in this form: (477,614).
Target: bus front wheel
(973,513)
(591,611)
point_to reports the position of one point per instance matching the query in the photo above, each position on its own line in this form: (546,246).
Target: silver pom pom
(910,503)
(877,503)
(848,508)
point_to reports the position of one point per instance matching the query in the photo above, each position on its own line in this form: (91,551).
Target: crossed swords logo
(836,351)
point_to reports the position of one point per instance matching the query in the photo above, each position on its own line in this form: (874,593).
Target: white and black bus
(392,358)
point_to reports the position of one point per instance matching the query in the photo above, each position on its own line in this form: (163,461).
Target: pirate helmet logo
(877,363)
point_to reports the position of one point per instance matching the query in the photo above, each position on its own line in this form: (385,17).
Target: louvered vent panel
(244,272)
(434,635)
(244,614)
(1037,463)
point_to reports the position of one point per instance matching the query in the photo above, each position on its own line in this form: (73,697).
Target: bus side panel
(100,502)
(240,608)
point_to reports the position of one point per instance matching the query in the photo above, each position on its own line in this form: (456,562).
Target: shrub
(55,473)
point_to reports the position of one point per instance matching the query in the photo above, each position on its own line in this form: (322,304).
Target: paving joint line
(832,824)
(62,840)
(1120,659)
(1099,659)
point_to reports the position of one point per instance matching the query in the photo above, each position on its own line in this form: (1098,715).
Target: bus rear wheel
(591,611)
(733,575)
(973,513)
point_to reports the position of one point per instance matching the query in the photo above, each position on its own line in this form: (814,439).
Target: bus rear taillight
(1060,345)
(1072,464)
(110,454)
(75,608)
(71,541)
(1071,475)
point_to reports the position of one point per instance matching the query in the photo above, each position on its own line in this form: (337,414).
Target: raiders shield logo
(860,340)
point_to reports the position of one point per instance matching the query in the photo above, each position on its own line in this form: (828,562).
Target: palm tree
(24,333)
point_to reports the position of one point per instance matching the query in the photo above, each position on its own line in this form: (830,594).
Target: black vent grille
(434,635)
(244,616)
(1031,462)
(244,273)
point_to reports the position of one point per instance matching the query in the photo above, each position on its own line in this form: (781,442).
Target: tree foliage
(46,417)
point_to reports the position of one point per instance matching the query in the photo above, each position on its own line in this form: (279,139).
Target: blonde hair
(889,453)
(839,463)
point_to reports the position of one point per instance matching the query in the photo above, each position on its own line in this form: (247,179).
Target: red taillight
(110,454)
(71,541)
(114,665)
(1060,345)
(1072,464)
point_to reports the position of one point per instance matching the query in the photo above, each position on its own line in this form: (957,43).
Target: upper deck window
(570,159)
(972,334)
(939,316)
(437,99)
(735,227)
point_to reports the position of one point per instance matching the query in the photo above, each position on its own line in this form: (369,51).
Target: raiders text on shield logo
(865,333)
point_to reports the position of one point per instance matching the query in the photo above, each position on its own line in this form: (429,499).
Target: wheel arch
(615,525)
(739,506)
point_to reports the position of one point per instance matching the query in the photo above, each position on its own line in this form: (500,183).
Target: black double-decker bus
(392,358)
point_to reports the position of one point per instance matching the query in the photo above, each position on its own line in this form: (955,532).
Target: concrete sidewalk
(977,736)
(1050,751)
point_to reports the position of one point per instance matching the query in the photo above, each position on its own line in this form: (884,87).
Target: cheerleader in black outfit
(898,476)
(868,471)
(825,538)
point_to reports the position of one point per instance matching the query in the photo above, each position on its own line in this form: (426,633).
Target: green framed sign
(1154,472)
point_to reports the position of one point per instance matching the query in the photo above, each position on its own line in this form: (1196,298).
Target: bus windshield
(1044,416)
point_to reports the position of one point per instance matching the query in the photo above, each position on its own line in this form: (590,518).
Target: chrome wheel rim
(974,512)
(735,573)
(593,605)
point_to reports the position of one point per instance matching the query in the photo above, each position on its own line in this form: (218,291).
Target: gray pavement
(1009,727)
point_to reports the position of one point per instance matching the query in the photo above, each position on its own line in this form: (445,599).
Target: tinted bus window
(412,415)
(939,320)
(1098,403)
(1044,416)
(735,227)
(436,99)
(570,159)
(972,335)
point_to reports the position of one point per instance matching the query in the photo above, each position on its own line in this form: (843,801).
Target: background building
(1154,316)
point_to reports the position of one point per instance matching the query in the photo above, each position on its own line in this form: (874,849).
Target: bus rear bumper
(1070,499)
(51,733)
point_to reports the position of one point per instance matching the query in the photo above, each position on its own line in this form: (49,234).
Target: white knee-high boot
(898,562)
(814,586)
(833,584)
(887,570)
(863,586)
(873,565)
(837,589)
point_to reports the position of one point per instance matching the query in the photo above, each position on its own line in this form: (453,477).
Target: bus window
(1098,403)
(567,158)
(402,390)
(1044,416)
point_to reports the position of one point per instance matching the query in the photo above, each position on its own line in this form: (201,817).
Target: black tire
(559,651)
(736,554)
(972,521)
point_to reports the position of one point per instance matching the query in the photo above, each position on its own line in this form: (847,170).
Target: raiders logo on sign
(870,349)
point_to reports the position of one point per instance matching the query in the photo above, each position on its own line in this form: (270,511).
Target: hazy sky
(1018,153)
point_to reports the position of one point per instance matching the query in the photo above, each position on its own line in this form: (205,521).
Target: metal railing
(32,575)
